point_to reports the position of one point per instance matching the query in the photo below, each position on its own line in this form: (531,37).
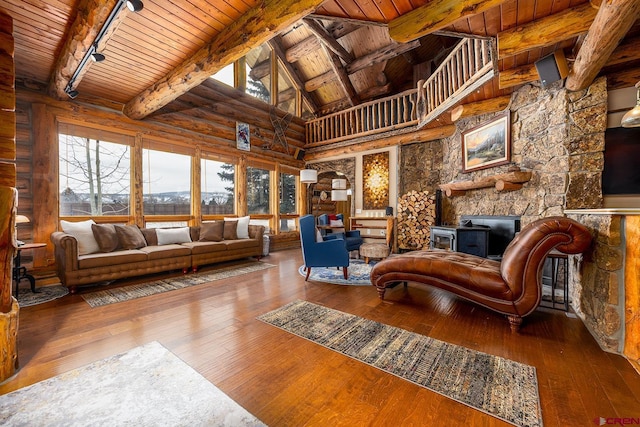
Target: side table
(20,272)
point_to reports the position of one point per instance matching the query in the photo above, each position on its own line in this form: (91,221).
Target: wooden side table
(20,272)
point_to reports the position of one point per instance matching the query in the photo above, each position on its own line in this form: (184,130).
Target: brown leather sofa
(512,286)
(74,269)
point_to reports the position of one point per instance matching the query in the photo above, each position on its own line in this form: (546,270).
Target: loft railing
(386,114)
(469,65)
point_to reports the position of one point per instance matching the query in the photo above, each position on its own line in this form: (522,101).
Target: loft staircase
(470,64)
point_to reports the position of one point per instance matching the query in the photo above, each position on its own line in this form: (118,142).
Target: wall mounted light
(632,118)
(134,6)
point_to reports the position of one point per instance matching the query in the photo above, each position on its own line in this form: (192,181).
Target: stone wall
(556,134)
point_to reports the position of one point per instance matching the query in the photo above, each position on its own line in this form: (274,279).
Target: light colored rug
(499,387)
(27,298)
(125,293)
(146,386)
(359,274)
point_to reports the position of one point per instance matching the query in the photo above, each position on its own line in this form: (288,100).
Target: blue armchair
(330,253)
(352,238)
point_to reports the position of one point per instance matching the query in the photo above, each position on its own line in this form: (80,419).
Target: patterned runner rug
(500,387)
(359,274)
(125,293)
(146,386)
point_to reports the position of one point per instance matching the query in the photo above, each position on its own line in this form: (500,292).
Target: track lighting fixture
(97,57)
(92,53)
(135,5)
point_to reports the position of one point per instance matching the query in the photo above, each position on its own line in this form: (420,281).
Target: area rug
(358,274)
(146,386)
(125,293)
(499,387)
(44,294)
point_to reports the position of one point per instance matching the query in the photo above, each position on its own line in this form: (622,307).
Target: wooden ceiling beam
(546,31)
(338,19)
(302,49)
(611,24)
(343,77)
(487,106)
(623,79)
(319,81)
(252,29)
(294,73)
(434,16)
(628,50)
(89,20)
(323,35)
(381,55)
(518,76)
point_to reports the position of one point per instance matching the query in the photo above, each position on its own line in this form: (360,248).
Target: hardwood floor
(287,381)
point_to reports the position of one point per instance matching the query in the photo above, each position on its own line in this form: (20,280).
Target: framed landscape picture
(487,145)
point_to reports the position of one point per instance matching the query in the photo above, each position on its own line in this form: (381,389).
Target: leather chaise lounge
(511,286)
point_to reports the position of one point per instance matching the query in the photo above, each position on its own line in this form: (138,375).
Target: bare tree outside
(94,177)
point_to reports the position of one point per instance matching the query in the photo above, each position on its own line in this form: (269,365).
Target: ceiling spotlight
(97,57)
(135,5)
(73,93)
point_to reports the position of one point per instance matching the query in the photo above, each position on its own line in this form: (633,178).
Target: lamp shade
(339,195)
(632,118)
(21,219)
(308,176)
(339,184)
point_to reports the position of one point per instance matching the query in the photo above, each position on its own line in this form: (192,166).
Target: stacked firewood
(416,216)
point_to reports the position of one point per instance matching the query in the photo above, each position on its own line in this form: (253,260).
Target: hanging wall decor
(487,145)
(375,180)
(242,136)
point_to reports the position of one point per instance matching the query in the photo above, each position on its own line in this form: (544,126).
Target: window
(287,94)
(287,190)
(226,75)
(166,183)
(258,66)
(258,181)
(94,172)
(217,187)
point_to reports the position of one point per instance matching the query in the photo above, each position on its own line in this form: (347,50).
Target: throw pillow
(130,237)
(230,230)
(150,236)
(167,236)
(336,223)
(242,230)
(212,231)
(106,236)
(83,233)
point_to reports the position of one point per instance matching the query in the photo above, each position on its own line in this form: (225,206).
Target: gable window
(166,182)
(287,93)
(217,186)
(258,73)
(226,75)
(94,170)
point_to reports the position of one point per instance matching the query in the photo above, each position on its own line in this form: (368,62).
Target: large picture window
(166,183)
(258,182)
(217,187)
(93,172)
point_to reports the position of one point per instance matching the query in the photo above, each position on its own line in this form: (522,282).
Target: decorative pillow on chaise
(83,233)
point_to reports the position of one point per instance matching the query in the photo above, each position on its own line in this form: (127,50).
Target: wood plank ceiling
(337,52)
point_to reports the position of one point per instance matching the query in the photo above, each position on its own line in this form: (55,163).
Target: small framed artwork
(243,141)
(487,145)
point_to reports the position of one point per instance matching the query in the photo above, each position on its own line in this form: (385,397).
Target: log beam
(252,29)
(434,16)
(487,106)
(323,35)
(381,55)
(627,51)
(611,24)
(91,16)
(343,77)
(380,141)
(302,49)
(319,81)
(518,76)
(546,31)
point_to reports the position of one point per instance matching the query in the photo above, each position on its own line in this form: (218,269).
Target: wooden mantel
(502,182)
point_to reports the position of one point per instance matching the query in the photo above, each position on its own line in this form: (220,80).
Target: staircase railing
(469,65)
(385,114)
